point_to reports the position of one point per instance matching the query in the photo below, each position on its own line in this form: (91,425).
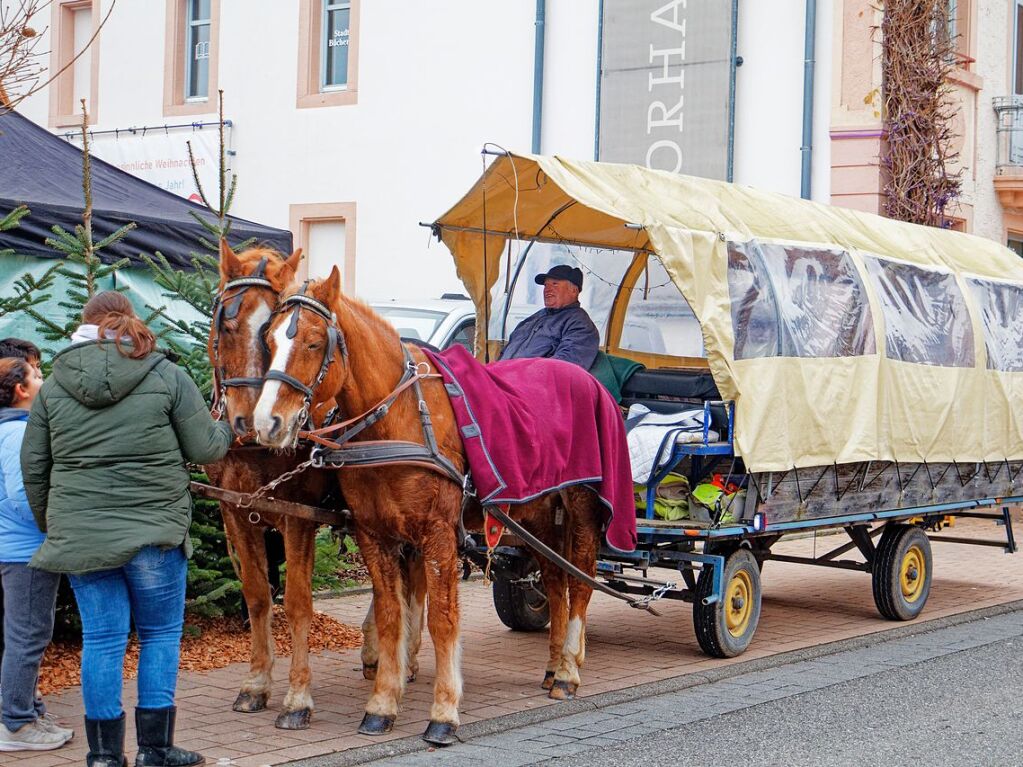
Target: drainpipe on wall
(808,63)
(600,74)
(541,18)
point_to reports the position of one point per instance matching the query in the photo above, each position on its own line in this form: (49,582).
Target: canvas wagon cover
(923,356)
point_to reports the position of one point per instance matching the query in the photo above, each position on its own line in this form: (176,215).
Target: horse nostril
(275,429)
(240,426)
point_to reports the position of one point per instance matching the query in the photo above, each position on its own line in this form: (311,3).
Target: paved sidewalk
(574,738)
(803,607)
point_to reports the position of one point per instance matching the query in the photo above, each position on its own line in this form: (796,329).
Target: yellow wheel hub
(738,603)
(913,574)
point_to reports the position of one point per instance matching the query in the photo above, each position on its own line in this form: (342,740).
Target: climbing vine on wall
(919,108)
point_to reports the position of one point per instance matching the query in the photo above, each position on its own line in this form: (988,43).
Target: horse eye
(315,346)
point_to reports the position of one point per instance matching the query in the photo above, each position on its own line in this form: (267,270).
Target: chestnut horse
(327,346)
(250,283)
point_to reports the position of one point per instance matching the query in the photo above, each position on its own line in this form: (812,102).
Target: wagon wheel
(901,573)
(522,605)
(725,628)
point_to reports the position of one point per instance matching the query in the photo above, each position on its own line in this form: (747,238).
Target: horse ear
(333,285)
(293,261)
(230,264)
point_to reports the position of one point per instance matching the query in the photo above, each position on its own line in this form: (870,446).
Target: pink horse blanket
(532,426)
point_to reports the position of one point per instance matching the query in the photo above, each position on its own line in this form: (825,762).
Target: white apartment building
(354,120)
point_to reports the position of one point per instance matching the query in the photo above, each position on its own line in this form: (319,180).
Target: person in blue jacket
(562,330)
(30,595)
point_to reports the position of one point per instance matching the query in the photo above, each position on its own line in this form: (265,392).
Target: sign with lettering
(664,95)
(160,156)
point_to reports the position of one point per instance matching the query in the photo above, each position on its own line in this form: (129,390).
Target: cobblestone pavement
(803,607)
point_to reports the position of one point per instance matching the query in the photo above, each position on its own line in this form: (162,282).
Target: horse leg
(389,617)
(555,585)
(583,545)
(441,564)
(248,543)
(300,552)
(415,593)
(370,643)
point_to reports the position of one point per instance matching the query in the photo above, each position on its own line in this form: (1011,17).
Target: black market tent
(44,172)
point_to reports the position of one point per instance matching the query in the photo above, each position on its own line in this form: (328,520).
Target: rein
(228,308)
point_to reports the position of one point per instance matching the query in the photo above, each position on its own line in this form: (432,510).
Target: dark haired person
(31,595)
(562,330)
(16,347)
(28,351)
(112,493)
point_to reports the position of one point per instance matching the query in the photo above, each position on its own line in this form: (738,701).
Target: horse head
(250,283)
(308,360)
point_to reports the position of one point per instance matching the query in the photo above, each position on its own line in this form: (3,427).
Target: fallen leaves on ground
(207,644)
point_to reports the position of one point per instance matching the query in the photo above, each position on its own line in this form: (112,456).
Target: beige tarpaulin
(884,340)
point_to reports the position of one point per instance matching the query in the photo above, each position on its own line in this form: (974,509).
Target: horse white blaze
(254,324)
(271,389)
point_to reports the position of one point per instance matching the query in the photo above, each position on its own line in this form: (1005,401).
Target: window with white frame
(197,49)
(336,42)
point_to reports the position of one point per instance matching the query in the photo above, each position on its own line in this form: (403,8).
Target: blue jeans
(149,589)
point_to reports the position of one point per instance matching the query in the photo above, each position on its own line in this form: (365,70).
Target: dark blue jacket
(562,334)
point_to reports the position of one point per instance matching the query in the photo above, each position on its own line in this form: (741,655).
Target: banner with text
(160,156)
(664,94)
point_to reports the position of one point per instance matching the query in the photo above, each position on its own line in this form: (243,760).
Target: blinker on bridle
(228,310)
(335,341)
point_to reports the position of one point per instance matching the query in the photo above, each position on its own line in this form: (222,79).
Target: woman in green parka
(104,469)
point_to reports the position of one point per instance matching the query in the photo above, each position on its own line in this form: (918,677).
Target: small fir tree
(81,265)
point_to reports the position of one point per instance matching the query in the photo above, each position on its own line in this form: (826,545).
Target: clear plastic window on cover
(602,268)
(925,314)
(658,319)
(755,323)
(1001,309)
(790,301)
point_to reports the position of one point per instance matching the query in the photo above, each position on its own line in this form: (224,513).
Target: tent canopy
(841,336)
(44,171)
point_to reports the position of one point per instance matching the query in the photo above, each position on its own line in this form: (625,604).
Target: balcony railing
(1009,111)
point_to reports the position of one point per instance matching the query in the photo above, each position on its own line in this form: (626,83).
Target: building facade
(354,120)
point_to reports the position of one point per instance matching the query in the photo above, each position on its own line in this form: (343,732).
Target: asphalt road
(965,708)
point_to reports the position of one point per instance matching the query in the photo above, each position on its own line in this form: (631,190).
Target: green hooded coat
(104,457)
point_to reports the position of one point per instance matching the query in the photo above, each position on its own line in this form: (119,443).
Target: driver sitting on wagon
(562,330)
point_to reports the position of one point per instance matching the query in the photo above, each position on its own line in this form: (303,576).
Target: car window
(418,324)
(465,335)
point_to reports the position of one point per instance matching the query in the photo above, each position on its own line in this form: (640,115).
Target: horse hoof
(548,680)
(375,724)
(294,720)
(441,734)
(250,702)
(369,671)
(563,690)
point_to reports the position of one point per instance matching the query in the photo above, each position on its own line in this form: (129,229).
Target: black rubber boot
(155,730)
(106,742)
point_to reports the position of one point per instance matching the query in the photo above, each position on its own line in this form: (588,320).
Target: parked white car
(441,322)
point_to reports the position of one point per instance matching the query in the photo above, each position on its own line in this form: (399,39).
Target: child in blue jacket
(30,595)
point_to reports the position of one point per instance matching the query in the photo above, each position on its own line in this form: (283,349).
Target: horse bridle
(227,309)
(335,342)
